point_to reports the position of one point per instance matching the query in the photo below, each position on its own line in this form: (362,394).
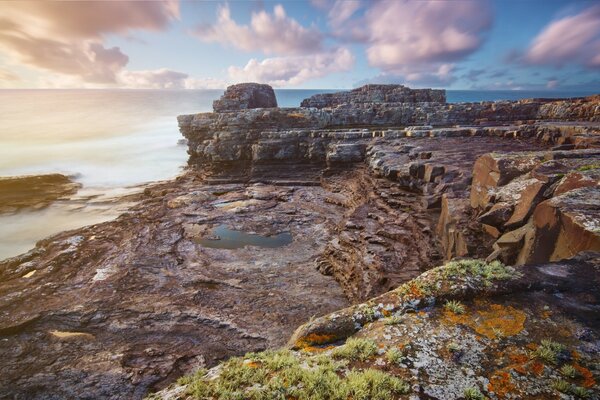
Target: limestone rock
(34,191)
(245,96)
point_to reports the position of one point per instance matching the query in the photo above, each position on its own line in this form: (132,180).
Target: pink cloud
(571,39)
(403,33)
(67,37)
(269,33)
(284,71)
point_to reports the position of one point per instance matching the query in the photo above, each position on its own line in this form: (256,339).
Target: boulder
(245,96)
(563,226)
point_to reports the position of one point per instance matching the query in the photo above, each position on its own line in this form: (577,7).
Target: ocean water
(113,142)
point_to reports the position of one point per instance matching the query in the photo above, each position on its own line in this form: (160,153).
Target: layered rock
(246,96)
(375,94)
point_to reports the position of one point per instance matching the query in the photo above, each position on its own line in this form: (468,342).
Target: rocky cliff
(376,94)
(372,294)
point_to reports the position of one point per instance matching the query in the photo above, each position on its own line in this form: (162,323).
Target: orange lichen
(491,322)
(537,368)
(546,314)
(386,313)
(252,364)
(518,362)
(413,290)
(314,349)
(586,374)
(313,339)
(501,384)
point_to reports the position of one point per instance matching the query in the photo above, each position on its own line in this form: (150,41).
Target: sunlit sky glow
(456,44)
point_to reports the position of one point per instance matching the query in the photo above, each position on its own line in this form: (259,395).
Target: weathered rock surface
(35,191)
(512,337)
(372,192)
(376,94)
(245,96)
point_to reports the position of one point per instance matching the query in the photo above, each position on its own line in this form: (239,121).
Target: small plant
(453,347)
(356,349)
(368,313)
(455,306)
(394,356)
(393,320)
(568,371)
(561,386)
(472,393)
(588,167)
(548,351)
(488,272)
(372,384)
(581,393)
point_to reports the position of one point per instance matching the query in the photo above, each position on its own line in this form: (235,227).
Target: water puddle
(224,238)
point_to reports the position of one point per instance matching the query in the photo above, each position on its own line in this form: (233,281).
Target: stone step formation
(388,194)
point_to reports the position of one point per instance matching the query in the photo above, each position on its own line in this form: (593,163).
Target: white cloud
(67,37)
(286,71)
(571,39)
(269,33)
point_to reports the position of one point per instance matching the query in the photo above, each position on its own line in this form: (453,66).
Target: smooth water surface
(225,238)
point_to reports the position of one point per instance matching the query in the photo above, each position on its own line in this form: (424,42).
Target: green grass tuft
(568,371)
(581,393)
(394,356)
(548,351)
(472,393)
(488,272)
(393,320)
(561,386)
(356,349)
(455,306)
(372,384)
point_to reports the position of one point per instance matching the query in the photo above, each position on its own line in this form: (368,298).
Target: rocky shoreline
(376,187)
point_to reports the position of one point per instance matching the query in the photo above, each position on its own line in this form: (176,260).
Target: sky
(320,44)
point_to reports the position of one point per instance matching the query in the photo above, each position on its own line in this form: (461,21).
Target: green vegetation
(372,384)
(473,393)
(281,375)
(488,272)
(588,167)
(561,386)
(568,371)
(453,347)
(368,312)
(394,320)
(455,306)
(356,349)
(394,356)
(581,393)
(548,351)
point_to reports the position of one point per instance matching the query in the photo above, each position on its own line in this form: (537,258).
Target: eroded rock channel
(289,214)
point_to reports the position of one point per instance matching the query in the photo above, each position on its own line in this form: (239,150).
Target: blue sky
(455,44)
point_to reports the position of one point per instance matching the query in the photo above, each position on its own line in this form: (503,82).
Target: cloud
(573,39)
(411,33)
(68,37)
(269,33)
(8,76)
(284,71)
(427,76)
(153,79)
(166,79)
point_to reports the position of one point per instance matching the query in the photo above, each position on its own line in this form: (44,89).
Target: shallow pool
(224,238)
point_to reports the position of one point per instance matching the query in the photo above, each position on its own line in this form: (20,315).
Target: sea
(113,142)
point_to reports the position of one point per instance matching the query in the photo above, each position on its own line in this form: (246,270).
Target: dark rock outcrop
(246,96)
(34,192)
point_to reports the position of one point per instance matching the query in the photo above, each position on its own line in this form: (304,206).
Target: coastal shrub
(561,386)
(568,371)
(455,306)
(372,384)
(356,349)
(548,351)
(472,393)
(488,272)
(394,356)
(282,375)
(581,393)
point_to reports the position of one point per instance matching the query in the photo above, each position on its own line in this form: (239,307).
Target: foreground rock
(245,96)
(464,330)
(34,192)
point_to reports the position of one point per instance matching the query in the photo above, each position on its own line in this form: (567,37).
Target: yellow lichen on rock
(492,322)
